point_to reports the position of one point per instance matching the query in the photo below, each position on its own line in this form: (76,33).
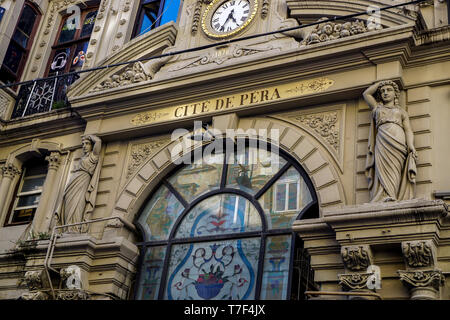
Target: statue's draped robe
(79,195)
(390,166)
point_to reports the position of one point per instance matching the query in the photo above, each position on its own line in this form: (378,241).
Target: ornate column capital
(356,258)
(9,170)
(53,160)
(419,254)
(354,281)
(422,278)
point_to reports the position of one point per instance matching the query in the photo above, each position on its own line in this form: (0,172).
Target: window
(20,44)
(153,13)
(69,51)
(28,192)
(211,232)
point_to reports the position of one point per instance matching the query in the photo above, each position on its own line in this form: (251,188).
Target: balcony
(42,96)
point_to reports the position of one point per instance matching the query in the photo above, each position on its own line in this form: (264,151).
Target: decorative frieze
(72,295)
(222,55)
(35,295)
(422,278)
(141,152)
(329,30)
(354,281)
(356,258)
(418,254)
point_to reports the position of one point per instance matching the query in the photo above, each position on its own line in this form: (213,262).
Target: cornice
(291,65)
(41,126)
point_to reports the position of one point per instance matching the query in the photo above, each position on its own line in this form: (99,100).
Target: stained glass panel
(220,214)
(151,273)
(252,169)
(215,270)
(68,30)
(88,24)
(276,268)
(160,214)
(197,179)
(284,200)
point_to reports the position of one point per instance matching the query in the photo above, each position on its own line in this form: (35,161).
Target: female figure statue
(391,158)
(80,192)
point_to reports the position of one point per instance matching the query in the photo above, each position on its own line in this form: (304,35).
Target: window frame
(263,234)
(140,17)
(71,44)
(27,50)
(18,195)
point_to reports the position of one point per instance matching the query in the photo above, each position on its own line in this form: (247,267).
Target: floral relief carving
(328,31)
(136,73)
(354,281)
(418,253)
(356,258)
(141,152)
(325,124)
(423,278)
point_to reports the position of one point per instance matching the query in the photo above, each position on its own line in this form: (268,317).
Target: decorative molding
(223,54)
(132,74)
(33,279)
(148,117)
(10,171)
(422,278)
(325,124)
(265,8)
(36,295)
(136,73)
(312,86)
(196,17)
(328,31)
(72,295)
(141,152)
(354,281)
(356,258)
(418,254)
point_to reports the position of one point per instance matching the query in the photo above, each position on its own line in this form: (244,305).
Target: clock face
(223,19)
(230,15)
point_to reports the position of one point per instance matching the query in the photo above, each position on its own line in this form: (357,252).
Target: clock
(223,19)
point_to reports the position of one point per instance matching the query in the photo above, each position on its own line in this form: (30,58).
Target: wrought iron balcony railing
(42,96)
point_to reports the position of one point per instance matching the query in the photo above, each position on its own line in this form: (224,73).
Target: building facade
(99,198)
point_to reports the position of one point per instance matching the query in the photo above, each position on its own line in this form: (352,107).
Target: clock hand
(222,28)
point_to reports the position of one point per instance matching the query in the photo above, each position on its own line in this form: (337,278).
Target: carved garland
(328,31)
(420,279)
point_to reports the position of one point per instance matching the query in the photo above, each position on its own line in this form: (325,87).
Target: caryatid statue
(79,194)
(391,158)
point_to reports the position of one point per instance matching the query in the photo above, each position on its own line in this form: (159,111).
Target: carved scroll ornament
(356,258)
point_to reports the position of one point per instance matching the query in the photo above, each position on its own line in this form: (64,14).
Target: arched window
(20,44)
(222,229)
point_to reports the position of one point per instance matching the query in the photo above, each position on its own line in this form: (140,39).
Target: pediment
(152,43)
